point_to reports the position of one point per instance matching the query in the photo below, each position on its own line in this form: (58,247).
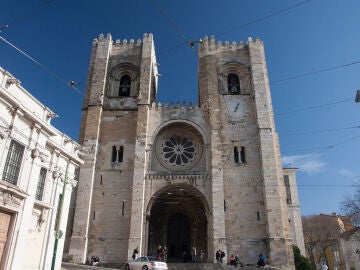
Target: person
(222,256)
(184,255)
(261,261)
(135,253)
(202,256)
(164,253)
(159,253)
(194,255)
(237,260)
(94,260)
(232,260)
(324,266)
(217,256)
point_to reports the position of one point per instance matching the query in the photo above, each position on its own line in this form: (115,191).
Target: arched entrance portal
(178,220)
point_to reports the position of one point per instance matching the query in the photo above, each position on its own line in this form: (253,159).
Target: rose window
(178,150)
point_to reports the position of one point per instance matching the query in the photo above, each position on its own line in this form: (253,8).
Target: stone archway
(178,220)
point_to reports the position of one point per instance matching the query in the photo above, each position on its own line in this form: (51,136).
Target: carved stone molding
(37,153)
(11,81)
(10,198)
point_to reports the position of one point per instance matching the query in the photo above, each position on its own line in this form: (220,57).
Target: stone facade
(207,175)
(35,160)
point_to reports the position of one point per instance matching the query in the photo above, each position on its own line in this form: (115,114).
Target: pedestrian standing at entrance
(194,255)
(202,256)
(185,256)
(324,266)
(164,253)
(237,260)
(159,251)
(222,256)
(135,253)
(261,261)
(217,256)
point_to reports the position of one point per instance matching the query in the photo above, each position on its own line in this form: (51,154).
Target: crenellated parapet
(124,43)
(210,45)
(175,106)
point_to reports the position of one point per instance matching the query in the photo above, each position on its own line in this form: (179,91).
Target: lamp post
(58,233)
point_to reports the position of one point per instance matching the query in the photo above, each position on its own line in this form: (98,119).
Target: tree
(301,262)
(320,232)
(351,207)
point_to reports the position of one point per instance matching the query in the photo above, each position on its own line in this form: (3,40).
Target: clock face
(235,106)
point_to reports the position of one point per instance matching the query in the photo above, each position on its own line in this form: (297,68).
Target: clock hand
(237,107)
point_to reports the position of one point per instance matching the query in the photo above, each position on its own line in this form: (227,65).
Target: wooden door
(4,227)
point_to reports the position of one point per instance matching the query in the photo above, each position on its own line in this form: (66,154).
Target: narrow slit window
(121,154)
(242,155)
(236,154)
(233,83)
(258,216)
(113,154)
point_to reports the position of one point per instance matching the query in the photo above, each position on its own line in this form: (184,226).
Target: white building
(36,160)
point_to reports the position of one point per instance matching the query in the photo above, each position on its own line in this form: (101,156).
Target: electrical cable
(19,18)
(314,107)
(177,29)
(323,150)
(315,72)
(318,131)
(72,84)
(263,18)
(243,25)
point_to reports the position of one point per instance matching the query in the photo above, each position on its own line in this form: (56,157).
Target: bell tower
(121,85)
(234,94)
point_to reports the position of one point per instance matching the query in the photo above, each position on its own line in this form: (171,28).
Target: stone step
(172,266)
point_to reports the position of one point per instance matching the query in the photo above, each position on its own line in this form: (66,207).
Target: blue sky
(316,116)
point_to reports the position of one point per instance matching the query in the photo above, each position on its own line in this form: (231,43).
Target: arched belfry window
(233,83)
(125,85)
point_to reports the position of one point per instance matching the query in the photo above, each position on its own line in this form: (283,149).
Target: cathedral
(206,175)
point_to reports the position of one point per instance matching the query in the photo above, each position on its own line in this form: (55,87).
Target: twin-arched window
(117,154)
(233,83)
(239,155)
(125,86)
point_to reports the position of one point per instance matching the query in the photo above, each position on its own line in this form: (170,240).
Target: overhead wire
(26,14)
(72,84)
(326,148)
(315,72)
(243,25)
(263,18)
(318,131)
(173,24)
(314,107)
